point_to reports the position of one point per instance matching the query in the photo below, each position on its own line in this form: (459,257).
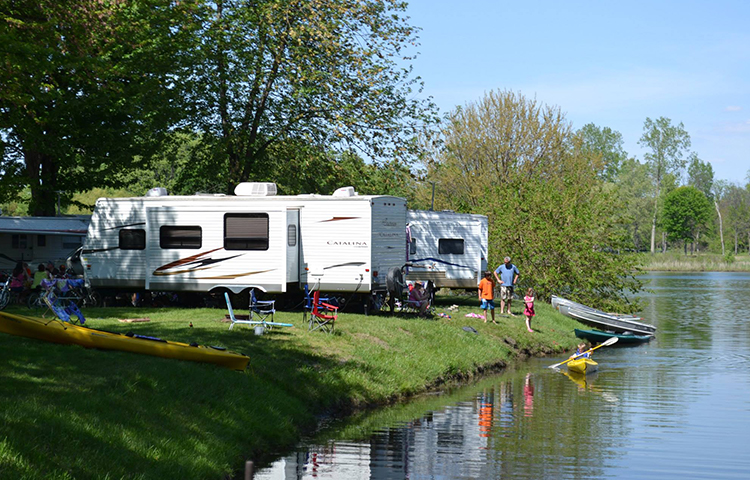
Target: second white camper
(447,248)
(335,243)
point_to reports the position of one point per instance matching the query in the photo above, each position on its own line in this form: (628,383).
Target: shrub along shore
(69,412)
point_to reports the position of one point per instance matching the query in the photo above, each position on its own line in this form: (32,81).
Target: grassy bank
(68,412)
(703,262)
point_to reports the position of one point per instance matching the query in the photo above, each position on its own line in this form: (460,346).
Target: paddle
(607,343)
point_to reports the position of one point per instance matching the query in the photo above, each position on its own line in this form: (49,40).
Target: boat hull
(56,331)
(557,302)
(583,366)
(605,321)
(597,336)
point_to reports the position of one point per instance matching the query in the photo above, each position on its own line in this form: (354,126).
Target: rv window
(41,240)
(246,231)
(72,242)
(291,235)
(413,247)
(132,239)
(18,241)
(179,237)
(453,246)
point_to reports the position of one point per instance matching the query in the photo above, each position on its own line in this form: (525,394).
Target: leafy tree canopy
(606,143)
(87,84)
(327,73)
(519,163)
(687,211)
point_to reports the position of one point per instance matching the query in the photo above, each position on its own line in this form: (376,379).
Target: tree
(686,212)
(737,203)
(700,175)
(519,163)
(327,73)
(87,85)
(717,193)
(633,188)
(668,144)
(606,143)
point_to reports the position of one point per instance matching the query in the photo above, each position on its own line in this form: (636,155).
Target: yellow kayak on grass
(582,365)
(57,331)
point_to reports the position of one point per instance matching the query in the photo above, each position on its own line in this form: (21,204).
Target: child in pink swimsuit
(529,310)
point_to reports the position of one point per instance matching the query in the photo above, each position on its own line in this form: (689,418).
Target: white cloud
(733,108)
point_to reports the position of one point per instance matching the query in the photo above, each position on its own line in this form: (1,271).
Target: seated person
(581,352)
(41,274)
(418,297)
(18,278)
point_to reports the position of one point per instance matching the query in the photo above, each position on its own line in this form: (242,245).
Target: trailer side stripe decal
(184,261)
(125,226)
(228,276)
(350,264)
(335,219)
(439,261)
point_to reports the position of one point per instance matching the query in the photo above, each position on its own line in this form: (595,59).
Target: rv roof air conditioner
(255,189)
(345,192)
(157,192)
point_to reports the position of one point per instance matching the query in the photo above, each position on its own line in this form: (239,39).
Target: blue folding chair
(248,319)
(65,314)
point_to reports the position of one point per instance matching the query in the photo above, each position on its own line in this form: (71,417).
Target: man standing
(507,280)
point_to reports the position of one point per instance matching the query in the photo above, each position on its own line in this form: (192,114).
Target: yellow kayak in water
(582,365)
(57,331)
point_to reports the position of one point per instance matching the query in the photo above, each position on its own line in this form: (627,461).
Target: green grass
(674,261)
(67,412)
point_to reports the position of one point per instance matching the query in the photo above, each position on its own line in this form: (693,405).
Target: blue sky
(603,62)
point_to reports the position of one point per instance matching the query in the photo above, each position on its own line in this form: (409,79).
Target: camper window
(453,246)
(132,239)
(291,235)
(246,231)
(18,241)
(41,240)
(180,236)
(413,247)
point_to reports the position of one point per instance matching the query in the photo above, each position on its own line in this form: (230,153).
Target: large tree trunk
(42,171)
(663,242)
(721,227)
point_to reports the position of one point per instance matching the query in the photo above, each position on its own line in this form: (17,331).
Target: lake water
(675,408)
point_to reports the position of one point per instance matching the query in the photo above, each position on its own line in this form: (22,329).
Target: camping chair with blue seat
(261,309)
(262,313)
(64,313)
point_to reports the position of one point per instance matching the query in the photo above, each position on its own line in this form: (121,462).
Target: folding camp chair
(248,319)
(64,313)
(262,309)
(308,304)
(323,315)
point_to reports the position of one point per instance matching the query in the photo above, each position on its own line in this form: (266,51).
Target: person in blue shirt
(507,280)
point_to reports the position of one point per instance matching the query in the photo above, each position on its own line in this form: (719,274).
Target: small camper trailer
(343,242)
(37,240)
(447,248)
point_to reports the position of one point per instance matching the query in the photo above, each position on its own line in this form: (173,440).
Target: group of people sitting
(23,281)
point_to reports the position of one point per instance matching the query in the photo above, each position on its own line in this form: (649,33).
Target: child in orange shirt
(487,295)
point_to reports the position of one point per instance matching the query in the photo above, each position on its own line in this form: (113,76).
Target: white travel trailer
(447,248)
(336,243)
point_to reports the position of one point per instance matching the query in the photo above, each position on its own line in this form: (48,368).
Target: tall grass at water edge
(71,413)
(673,261)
